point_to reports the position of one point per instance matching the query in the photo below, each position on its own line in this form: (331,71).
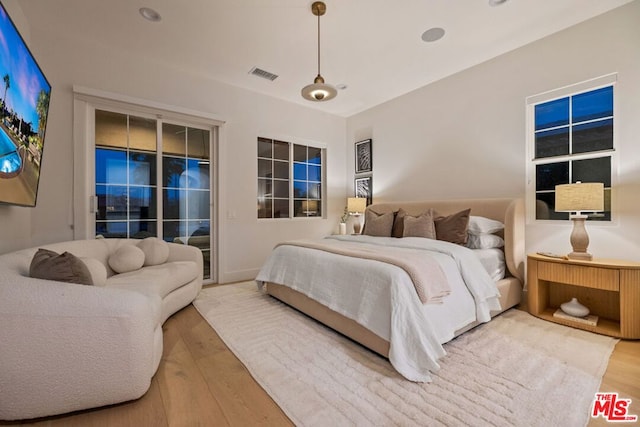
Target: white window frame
(532,162)
(323,185)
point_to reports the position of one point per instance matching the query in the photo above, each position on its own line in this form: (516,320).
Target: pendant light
(319,91)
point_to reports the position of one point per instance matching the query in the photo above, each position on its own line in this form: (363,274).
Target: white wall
(464,136)
(247,241)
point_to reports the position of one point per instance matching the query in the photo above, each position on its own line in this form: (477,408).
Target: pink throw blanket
(428,278)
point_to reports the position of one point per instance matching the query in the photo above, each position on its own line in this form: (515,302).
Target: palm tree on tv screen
(41,109)
(7,85)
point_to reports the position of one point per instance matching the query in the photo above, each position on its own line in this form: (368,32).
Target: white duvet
(382,298)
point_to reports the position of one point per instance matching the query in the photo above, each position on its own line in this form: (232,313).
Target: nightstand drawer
(580,275)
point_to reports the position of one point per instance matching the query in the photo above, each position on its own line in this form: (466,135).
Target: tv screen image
(24,106)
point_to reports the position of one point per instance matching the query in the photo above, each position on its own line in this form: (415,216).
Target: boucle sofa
(65,346)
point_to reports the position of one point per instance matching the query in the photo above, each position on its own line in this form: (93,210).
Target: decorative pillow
(378,225)
(421,226)
(97,270)
(156,251)
(484,241)
(481,225)
(126,258)
(453,228)
(398,223)
(65,267)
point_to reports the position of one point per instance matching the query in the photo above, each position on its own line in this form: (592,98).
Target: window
(145,191)
(307,180)
(572,140)
(290,179)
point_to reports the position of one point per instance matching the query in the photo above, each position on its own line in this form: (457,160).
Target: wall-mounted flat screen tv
(24,105)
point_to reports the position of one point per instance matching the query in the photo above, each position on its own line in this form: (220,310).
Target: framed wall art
(363,188)
(363,156)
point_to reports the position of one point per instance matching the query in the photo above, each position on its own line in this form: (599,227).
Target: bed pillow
(453,228)
(97,270)
(126,258)
(378,224)
(398,223)
(481,225)
(156,251)
(66,267)
(421,226)
(484,241)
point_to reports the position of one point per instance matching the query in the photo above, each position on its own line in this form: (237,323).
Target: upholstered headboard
(509,211)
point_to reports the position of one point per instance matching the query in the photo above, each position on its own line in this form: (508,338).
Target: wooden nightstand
(610,288)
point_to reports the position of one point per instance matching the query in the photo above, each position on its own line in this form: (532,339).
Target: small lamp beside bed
(580,197)
(356,206)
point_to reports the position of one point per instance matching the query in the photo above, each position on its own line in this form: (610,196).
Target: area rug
(516,370)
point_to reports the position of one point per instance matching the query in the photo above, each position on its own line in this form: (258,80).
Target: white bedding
(493,261)
(381,297)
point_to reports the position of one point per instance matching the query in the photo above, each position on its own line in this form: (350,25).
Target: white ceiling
(372,46)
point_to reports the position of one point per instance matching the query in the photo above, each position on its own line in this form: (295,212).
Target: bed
(366,297)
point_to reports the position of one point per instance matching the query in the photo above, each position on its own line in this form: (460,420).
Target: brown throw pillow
(453,228)
(378,225)
(398,223)
(421,226)
(65,267)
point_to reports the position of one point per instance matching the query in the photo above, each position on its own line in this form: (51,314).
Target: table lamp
(355,207)
(580,197)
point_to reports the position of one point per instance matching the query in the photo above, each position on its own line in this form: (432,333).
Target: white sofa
(65,347)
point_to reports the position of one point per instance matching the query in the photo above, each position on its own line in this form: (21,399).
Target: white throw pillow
(126,258)
(481,225)
(97,270)
(156,251)
(484,241)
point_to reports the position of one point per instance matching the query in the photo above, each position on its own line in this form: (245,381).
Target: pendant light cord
(318,44)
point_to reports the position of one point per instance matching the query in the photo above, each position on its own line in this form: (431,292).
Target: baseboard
(238,275)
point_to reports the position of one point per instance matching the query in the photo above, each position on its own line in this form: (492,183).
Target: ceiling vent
(263,74)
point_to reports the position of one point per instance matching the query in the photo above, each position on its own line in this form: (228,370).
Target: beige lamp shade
(581,196)
(356,204)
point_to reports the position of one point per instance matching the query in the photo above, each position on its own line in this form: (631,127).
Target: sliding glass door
(186,190)
(152,178)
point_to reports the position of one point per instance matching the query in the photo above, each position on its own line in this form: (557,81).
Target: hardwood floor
(200,382)
(623,376)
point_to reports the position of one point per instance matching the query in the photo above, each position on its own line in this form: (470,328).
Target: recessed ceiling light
(150,14)
(433,34)
(496,2)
